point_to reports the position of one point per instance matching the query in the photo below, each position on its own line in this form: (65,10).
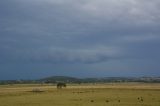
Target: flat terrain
(112,94)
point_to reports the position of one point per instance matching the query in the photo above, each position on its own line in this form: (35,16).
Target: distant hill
(55,79)
(66,79)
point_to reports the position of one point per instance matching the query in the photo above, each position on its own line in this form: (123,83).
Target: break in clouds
(78,30)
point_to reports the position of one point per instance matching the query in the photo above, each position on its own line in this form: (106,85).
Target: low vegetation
(65,79)
(112,94)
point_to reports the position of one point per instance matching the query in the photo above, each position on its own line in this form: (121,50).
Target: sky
(80,38)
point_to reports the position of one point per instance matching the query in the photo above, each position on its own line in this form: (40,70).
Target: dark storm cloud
(30,25)
(79,31)
(59,55)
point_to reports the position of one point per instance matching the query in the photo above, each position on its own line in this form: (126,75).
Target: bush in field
(61,85)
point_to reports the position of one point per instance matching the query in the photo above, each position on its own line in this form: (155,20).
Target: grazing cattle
(60,85)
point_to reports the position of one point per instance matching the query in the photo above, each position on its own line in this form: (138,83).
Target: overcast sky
(81,38)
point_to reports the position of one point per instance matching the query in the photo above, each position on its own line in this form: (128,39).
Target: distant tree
(61,85)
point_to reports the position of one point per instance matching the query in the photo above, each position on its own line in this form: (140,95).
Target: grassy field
(112,94)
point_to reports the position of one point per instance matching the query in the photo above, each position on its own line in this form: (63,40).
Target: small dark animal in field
(140,99)
(61,85)
(92,100)
(119,100)
(107,101)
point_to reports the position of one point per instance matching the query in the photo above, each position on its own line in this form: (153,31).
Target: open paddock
(109,94)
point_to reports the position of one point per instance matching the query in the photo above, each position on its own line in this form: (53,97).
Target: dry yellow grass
(111,94)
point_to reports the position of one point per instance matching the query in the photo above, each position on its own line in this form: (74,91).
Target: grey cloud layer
(60,55)
(75,29)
